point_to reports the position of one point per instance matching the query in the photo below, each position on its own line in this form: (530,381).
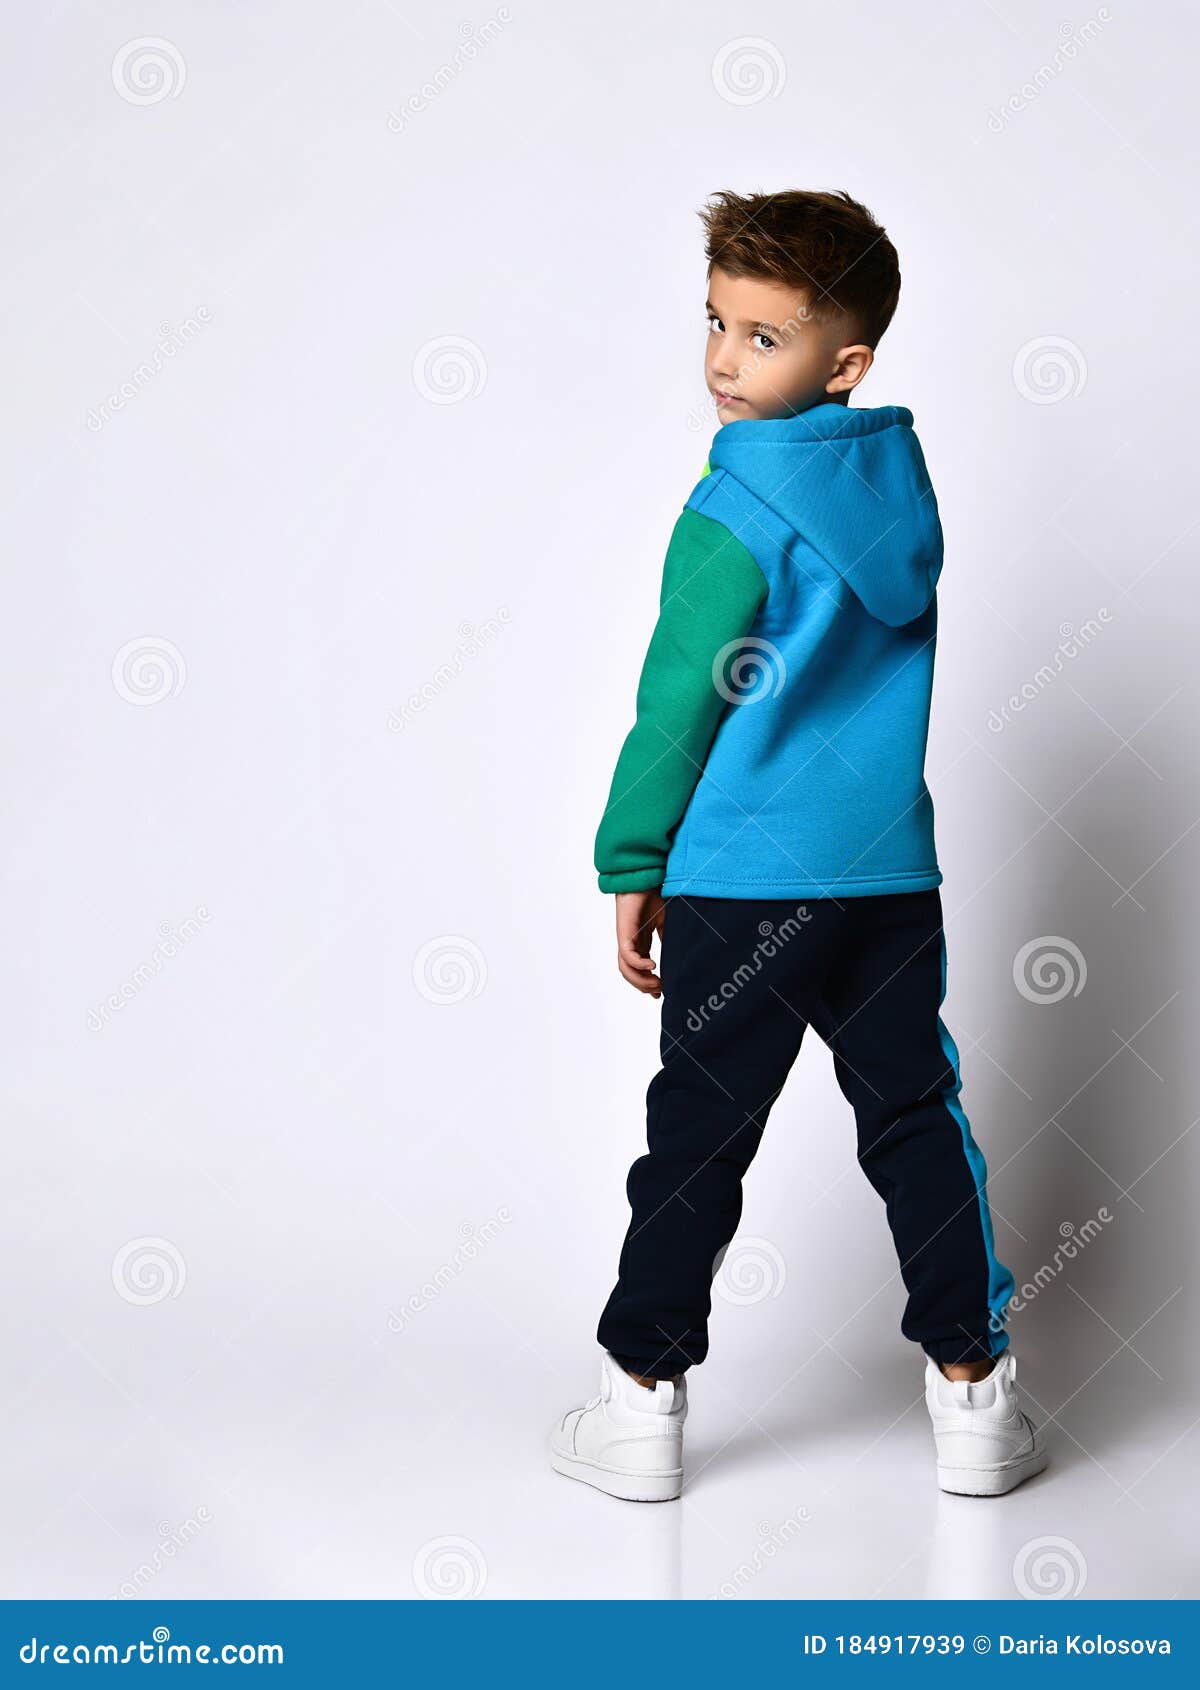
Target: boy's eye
(763,341)
(715,326)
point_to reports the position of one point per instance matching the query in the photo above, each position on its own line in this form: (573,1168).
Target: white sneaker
(986,1443)
(627,1441)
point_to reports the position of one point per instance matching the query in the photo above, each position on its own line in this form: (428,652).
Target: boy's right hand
(639,917)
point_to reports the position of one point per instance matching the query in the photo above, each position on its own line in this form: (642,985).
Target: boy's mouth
(723,397)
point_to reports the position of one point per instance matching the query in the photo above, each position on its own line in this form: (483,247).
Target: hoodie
(783,706)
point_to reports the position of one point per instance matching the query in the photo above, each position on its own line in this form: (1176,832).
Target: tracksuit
(773,787)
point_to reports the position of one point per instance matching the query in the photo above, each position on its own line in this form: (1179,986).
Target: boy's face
(768,357)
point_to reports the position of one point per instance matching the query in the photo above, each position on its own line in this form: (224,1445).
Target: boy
(769,820)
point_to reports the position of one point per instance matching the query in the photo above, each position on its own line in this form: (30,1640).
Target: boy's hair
(827,245)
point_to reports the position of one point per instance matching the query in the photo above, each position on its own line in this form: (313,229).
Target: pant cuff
(948,1351)
(656,1367)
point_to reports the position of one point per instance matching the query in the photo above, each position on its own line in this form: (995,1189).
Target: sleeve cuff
(632,880)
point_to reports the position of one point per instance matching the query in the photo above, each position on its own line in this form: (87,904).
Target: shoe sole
(990,1481)
(628,1487)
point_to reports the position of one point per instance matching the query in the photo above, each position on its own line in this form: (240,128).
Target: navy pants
(742,979)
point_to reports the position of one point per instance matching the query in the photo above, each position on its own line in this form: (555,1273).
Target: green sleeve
(711,592)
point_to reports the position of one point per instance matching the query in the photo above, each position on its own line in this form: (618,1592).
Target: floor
(367,1478)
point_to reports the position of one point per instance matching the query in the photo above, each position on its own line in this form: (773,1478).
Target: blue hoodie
(787,688)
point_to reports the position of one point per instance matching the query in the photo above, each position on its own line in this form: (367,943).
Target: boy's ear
(849,367)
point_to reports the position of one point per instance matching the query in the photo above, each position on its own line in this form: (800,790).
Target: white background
(293,530)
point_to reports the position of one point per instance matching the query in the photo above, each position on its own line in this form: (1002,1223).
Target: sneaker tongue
(664,1397)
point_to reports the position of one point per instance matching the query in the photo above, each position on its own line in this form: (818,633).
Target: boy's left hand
(639,917)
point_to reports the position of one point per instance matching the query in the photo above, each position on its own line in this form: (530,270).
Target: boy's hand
(639,917)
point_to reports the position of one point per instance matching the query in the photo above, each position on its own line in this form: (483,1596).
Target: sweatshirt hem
(765,886)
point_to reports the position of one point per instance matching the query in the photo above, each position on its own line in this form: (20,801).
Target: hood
(853,484)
